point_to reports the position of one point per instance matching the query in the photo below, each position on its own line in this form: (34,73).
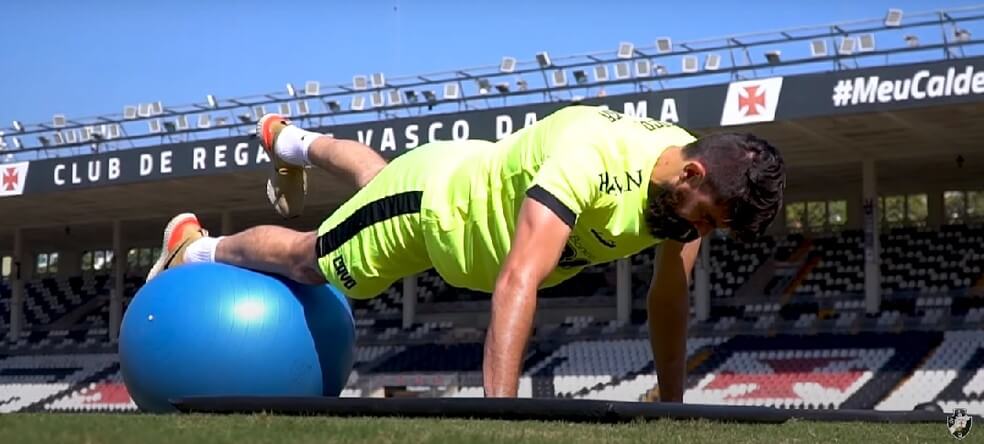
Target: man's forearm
(668,336)
(513,308)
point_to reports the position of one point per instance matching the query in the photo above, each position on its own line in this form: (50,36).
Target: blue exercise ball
(219,330)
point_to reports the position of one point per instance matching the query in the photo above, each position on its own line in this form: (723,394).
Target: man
(583,186)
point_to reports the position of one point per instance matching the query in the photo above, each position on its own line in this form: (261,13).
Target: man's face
(683,212)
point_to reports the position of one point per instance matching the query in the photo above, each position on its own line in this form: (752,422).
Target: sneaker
(287,185)
(180,232)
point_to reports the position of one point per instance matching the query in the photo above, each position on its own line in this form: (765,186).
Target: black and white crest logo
(959,423)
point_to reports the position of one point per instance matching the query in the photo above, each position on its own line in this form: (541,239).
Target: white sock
(202,250)
(293,143)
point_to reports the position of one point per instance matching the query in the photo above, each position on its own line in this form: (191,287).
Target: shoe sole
(280,168)
(167,256)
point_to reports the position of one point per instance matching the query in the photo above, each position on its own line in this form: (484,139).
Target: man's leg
(292,148)
(264,248)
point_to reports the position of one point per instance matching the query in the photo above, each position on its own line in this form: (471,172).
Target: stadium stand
(808,364)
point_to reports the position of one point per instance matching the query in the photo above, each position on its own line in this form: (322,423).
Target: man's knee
(304,262)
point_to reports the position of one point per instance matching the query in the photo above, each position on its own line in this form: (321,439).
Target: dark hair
(746,174)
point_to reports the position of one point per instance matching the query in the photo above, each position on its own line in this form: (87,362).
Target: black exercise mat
(574,410)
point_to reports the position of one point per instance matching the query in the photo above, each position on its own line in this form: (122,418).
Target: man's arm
(668,308)
(540,238)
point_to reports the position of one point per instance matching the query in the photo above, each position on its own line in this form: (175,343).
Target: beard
(662,218)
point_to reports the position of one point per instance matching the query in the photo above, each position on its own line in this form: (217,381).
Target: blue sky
(86,58)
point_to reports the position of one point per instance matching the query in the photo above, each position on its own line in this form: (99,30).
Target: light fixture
(212,102)
(157,108)
(115,131)
(893,18)
(378,80)
(258,112)
(664,45)
(17,143)
(451,91)
(643,68)
(303,108)
(285,108)
(507,65)
(411,96)
(622,70)
(866,42)
(818,48)
(181,122)
(395,98)
(204,121)
(18,126)
(847,46)
(376,99)
(601,73)
(430,97)
(58,121)
(129,112)
(689,64)
(290,90)
(312,88)
(360,82)
(773,57)
(961,35)
(154,125)
(483,86)
(625,50)
(712,62)
(543,59)
(558,78)
(580,77)
(358,103)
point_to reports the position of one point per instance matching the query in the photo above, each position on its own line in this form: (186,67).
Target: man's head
(727,181)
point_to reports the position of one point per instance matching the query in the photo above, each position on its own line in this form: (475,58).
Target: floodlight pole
(872,249)
(409,300)
(17,286)
(119,272)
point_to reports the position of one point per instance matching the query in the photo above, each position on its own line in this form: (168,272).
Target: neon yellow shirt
(590,165)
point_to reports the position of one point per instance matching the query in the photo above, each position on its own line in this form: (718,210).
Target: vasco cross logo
(959,423)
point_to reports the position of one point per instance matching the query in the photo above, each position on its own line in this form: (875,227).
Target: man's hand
(539,242)
(668,308)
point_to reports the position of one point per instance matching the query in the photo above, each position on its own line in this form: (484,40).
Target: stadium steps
(537,356)
(646,369)
(543,380)
(954,390)
(917,346)
(95,378)
(368,367)
(756,283)
(790,291)
(69,320)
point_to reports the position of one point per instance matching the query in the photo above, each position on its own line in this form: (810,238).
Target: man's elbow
(515,279)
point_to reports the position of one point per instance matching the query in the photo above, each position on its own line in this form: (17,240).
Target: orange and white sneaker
(180,232)
(287,185)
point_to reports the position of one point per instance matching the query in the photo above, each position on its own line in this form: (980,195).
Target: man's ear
(693,173)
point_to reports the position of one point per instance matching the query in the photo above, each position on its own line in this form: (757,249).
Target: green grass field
(120,429)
